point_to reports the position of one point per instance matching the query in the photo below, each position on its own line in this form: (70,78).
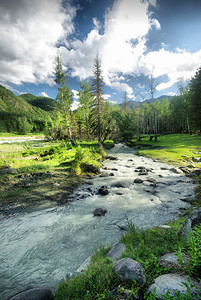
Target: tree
(195,100)
(125,103)
(64,96)
(152,89)
(84,109)
(98,101)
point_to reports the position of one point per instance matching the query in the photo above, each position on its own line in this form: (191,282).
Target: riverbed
(39,248)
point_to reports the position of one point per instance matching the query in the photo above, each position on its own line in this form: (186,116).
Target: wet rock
(138,180)
(129,269)
(99,212)
(84,265)
(170,260)
(152,180)
(89,182)
(104,174)
(175,170)
(196,159)
(111,157)
(119,184)
(195,172)
(119,193)
(143,173)
(115,251)
(172,283)
(103,190)
(114,169)
(191,222)
(184,170)
(34,294)
(164,168)
(111,174)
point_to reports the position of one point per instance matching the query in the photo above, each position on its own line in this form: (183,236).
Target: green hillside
(18,115)
(44,103)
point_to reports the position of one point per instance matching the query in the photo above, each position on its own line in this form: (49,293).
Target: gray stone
(138,180)
(99,212)
(34,294)
(193,220)
(104,174)
(170,260)
(143,173)
(172,283)
(119,184)
(129,269)
(116,250)
(84,265)
(103,190)
(196,159)
(176,170)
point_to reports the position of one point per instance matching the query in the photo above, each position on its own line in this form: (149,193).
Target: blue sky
(134,39)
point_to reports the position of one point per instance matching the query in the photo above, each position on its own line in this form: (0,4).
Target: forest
(97,118)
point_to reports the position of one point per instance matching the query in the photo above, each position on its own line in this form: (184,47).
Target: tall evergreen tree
(98,101)
(195,100)
(64,96)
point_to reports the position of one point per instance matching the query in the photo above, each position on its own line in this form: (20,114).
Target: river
(39,248)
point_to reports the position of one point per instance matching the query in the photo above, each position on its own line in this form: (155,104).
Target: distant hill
(134,104)
(18,115)
(44,103)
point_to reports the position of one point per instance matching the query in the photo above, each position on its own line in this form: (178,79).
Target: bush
(108,144)
(194,249)
(95,283)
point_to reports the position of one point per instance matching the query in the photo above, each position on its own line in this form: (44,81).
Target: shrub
(94,283)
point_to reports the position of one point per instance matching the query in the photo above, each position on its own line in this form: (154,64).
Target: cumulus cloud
(75,94)
(43,94)
(30,31)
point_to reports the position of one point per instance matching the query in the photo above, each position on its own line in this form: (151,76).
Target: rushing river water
(39,248)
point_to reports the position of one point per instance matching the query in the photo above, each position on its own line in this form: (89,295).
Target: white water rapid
(40,248)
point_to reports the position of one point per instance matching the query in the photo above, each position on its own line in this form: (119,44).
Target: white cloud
(44,94)
(180,65)
(30,31)
(75,105)
(75,94)
(106,96)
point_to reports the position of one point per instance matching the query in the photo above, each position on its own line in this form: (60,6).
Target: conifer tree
(64,96)
(98,101)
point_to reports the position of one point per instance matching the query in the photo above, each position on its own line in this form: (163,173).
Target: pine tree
(64,96)
(98,101)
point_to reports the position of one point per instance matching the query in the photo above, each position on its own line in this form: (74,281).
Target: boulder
(138,180)
(129,270)
(84,265)
(143,173)
(104,174)
(99,212)
(34,294)
(111,174)
(193,220)
(89,168)
(175,170)
(170,260)
(119,184)
(103,190)
(172,283)
(111,157)
(115,251)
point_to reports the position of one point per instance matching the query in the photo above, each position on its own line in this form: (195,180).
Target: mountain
(134,104)
(18,115)
(44,103)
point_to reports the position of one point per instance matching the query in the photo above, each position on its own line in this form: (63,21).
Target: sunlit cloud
(43,94)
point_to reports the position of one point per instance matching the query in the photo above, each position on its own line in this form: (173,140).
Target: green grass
(172,148)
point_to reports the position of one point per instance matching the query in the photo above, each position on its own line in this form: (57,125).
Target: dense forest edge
(165,129)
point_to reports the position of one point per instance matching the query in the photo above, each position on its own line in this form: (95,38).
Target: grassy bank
(149,245)
(33,172)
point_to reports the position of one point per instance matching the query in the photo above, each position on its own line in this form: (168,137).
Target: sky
(133,38)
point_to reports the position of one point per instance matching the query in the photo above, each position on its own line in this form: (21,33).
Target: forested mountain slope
(18,115)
